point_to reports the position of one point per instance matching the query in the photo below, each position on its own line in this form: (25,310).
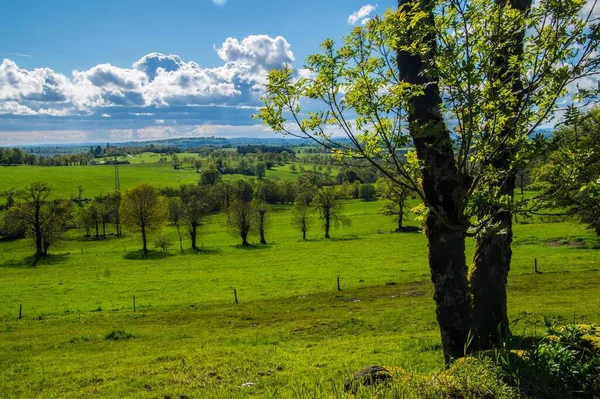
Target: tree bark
(193,229)
(492,256)
(327,217)
(261,229)
(443,190)
(145,248)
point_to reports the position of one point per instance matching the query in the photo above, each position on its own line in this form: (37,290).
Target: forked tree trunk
(442,187)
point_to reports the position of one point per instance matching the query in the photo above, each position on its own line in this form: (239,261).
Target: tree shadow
(149,255)
(201,251)
(351,237)
(93,238)
(252,247)
(33,261)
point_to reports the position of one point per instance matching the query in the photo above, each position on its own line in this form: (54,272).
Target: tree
(496,70)
(260,170)
(175,207)
(395,200)
(302,218)
(43,219)
(569,179)
(142,210)
(367,192)
(331,210)
(113,203)
(196,205)
(241,219)
(87,219)
(210,176)
(197,164)
(262,208)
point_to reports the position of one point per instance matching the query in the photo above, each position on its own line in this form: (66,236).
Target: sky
(76,71)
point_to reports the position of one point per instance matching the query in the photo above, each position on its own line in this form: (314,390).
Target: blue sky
(86,71)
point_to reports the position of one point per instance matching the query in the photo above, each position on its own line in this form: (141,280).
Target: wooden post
(235,296)
(134,303)
(20,310)
(338,282)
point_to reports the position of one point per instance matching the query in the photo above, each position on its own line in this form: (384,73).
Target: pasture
(292,334)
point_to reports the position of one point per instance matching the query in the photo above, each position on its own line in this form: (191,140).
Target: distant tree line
(16,156)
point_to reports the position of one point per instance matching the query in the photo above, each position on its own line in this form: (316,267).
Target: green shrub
(561,365)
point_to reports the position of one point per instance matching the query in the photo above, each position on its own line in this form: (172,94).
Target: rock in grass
(247,384)
(368,376)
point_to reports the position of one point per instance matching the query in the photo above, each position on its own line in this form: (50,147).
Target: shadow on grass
(352,237)
(32,261)
(150,255)
(201,251)
(93,238)
(252,247)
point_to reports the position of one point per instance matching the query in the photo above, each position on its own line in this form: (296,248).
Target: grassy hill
(293,334)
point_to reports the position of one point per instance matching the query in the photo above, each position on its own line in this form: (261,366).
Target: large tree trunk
(443,190)
(492,256)
(489,275)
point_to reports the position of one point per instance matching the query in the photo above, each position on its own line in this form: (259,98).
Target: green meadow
(99,180)
(292,332)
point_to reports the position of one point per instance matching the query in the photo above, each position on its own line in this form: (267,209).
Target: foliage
(558,366)
(569,178)
(241,219)
(142,210)
(43,219)
(331,210)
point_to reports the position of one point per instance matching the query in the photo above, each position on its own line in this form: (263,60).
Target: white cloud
(155,80)
(362,15)
(219,2)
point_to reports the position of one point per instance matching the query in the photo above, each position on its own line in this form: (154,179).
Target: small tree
(367,192)
(302,218)
(262,208)
(43,219)
(176,213)
(210,176)
(260,170)
(331,210)
(197,165)
(196,204)
(113,203)
(395,197)
(143,211)
(241,219)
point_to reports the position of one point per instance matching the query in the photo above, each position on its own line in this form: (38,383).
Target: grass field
(100,179)
(293,334)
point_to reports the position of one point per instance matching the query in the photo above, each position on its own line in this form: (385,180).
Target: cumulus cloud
(362,15)
(155,80)
(155,63)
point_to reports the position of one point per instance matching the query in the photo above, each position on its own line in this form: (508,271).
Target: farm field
(99,179)
(293,334)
